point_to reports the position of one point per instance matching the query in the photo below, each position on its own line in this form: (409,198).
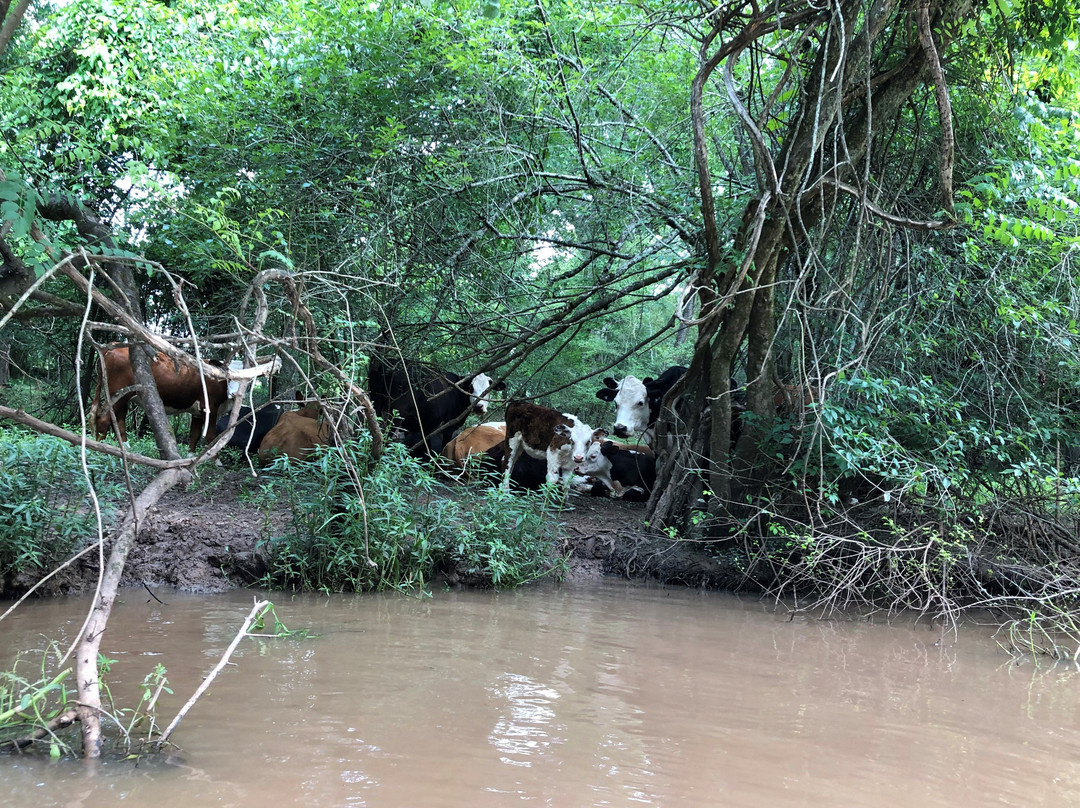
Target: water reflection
(572,697)
(525,730)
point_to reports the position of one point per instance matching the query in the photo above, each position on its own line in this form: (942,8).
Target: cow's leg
(198,423)
(510,456)
(207,421)
(553,467)
(120,409)
(435,445)
(211,429)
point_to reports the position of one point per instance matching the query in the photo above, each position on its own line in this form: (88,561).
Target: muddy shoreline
(208,538)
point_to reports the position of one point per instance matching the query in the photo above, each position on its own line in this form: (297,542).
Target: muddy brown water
(598,695)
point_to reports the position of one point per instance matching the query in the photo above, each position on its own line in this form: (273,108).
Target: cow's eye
(640,404)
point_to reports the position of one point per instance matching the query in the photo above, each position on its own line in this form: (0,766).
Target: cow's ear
(562,429)
(599,434)
(609,449)
(610,382)
(499,386)
(606,394)
(648,380)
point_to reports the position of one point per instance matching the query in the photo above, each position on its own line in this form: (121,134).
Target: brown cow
(473,441)
(180,387)
(295,434)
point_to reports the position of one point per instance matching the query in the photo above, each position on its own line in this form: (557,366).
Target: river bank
(211,536)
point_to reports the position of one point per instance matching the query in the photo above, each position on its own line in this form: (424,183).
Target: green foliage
(1030,202)
(356,525)
(139,720)
(879,436)
(45,510)
(477,173)
(43,514)
(33,693)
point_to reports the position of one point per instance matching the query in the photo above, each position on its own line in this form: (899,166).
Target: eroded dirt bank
(207,539)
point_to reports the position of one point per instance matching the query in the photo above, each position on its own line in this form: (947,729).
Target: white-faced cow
(179,385)
(619,469)
(637,402)
(560,440)
(430,405)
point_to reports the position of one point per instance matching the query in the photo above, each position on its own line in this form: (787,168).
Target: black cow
(619,469)
(528,473)
(264,420)
(427,402)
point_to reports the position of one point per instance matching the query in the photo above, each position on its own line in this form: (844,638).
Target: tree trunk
(5,360)
(797,185)
(86,664)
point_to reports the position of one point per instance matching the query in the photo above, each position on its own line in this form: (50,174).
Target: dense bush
(357,525)
(45,509)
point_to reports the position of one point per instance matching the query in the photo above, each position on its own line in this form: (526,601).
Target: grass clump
(358,525)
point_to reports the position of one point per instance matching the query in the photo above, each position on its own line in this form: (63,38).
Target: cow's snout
(621,431)
(480,408)
(579,458)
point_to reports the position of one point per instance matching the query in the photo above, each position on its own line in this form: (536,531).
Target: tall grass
(356,525)
(45,511)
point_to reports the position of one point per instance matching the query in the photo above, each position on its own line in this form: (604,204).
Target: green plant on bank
(507,536)
(355,525)
(45,509)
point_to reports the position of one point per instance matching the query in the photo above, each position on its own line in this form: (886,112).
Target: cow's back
(118,370)
(294,435)
(473,441)
(534,422)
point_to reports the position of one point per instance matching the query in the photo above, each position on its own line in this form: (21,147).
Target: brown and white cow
(295,434)
(561,440)
(179,385)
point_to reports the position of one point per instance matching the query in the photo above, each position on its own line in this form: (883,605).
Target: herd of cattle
(534,445)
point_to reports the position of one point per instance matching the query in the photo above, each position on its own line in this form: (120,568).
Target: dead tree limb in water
(256,612)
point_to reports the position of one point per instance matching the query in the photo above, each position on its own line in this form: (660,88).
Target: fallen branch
(45,428)
(65,719)
(253,615)
(89,642)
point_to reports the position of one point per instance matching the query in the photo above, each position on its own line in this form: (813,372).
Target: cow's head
(596,462)
(478,394)
(582,436)
(632,410)
(102,418)
(571,441)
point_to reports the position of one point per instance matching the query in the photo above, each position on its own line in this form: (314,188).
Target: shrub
(45,509)
(356,525)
